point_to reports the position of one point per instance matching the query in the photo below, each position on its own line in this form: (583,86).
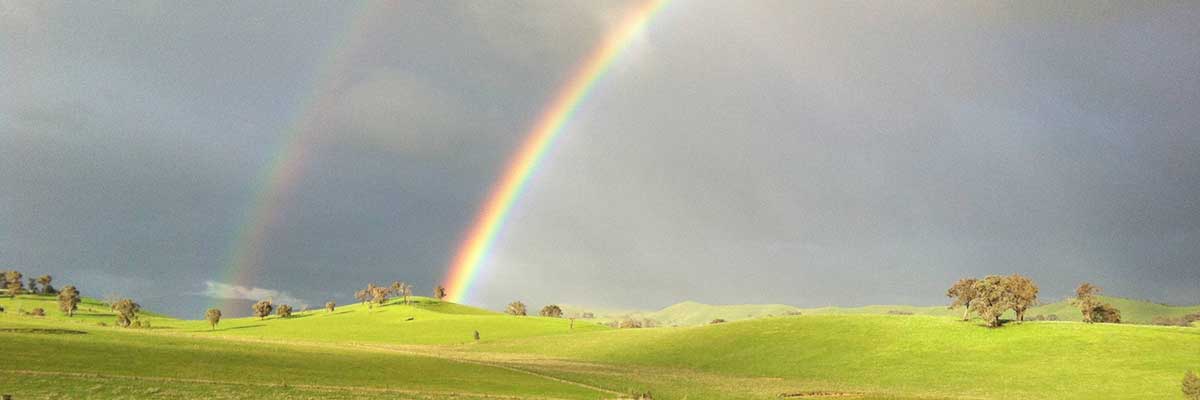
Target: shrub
(717,321)
(38,312)
(1106,313)
(330,305)
(1052,317)
(285,311)
(629,323)
(1191,386)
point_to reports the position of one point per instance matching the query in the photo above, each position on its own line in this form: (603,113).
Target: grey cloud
(817,153)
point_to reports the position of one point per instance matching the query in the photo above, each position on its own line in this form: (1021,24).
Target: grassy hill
(426,351)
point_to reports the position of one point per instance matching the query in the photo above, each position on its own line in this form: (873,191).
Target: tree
(262,308)
(1191,386)
(33,285)
(551,311)
(439,292)
(361,296)
(126,311)
(403,289)
(961,294)
(515,308)
(330,305)
(992,299)
(379,294)
(1025,294)
(1085,299)
(68,300)
(44,280)
(213,316)
(12,282)
(285,311)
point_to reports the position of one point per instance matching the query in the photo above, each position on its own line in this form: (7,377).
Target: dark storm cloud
(818,153)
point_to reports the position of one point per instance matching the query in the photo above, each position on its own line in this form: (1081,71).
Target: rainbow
(481,237)
(285,165)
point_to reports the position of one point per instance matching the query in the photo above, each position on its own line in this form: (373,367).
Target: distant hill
(693,313)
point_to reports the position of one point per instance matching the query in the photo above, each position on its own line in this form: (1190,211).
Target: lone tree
(439,292)
(515,308)
(1085,299)
(213,316)
(552,310)
(12,282)
(961,295)
(330,305)
(262,308)
(1025,294)
(285,311)
(992,299)
(126,311)
(68,300)
(44,280)
(1191,386)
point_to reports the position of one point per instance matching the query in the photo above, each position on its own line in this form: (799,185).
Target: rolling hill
(426,351)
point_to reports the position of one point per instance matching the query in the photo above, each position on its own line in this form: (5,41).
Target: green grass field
(426,351)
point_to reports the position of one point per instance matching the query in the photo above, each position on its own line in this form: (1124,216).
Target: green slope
(902,356)
(44,360)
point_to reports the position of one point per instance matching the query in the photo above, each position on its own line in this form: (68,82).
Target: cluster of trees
(992,296)
(374,294)
(11,282)
(518,308)
(1183,320)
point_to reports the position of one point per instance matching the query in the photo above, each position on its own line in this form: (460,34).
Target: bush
(38,312)
(717,321)
(629,324)
(1052,317)
(285,311)
(1191,386)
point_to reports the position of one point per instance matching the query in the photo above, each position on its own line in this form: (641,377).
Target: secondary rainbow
(481,237)
(285,165)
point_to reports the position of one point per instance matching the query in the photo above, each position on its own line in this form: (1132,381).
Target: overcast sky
(808,153)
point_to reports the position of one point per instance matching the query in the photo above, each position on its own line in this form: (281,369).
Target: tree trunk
(1021,315)
(967,313)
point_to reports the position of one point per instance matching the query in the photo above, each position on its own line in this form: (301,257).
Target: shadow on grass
(230,329)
